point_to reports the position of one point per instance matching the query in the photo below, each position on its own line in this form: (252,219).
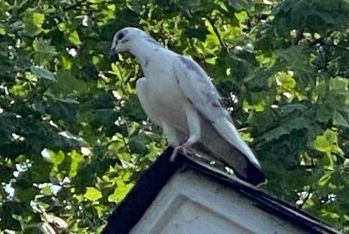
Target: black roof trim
(132,208)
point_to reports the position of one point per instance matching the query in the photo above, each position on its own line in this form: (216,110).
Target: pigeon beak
(113,54)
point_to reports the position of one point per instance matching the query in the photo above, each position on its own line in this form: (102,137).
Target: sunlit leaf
(76,158)
(38,19)
(74,38)
(57,158)
(92,194)
(321,143)
(120,191)
(33,22)
(2,31)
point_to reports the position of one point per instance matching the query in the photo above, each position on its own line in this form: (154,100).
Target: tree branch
(309,192)
(299,36)
(215,30)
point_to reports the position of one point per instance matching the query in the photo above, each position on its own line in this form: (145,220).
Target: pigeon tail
(252,174)
(224,151)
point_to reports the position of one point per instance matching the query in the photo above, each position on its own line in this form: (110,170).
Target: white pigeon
(177,95)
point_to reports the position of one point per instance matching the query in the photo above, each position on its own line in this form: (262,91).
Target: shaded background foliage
(73,138)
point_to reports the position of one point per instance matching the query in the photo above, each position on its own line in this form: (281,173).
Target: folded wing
(200,92)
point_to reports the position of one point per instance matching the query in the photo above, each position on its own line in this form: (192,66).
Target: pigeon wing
(201,93)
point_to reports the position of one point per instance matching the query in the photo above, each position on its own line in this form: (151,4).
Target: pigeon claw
(184,148)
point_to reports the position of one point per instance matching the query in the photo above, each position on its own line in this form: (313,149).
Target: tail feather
(252,174)
(223,150)
(227,130)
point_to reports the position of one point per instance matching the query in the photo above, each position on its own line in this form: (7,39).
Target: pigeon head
(124,39)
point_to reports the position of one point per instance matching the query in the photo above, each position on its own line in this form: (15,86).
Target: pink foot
(184,147)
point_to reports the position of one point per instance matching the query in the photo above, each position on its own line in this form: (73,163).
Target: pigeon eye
(120,36)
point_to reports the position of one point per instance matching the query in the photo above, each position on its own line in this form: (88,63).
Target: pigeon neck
(143,48)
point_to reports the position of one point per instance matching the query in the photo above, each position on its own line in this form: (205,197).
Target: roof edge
(137,201)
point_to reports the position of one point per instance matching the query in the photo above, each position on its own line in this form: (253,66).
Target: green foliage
(73,137)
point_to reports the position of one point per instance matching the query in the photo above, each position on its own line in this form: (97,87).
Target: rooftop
(136,203)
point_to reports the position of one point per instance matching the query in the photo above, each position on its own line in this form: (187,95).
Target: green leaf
(239,5)
(286,81)
(69,83)
(40,172)
(24,190)
(52,157)
(38,19)
(19,90)
(44,51)
(92,194)
(8,220)
(296,58)
(325,178)
(74,38)
(328,143)
(6,173)
(286,129)
(76,159)
(339,120)
(33,22)
(2,31)
(138,143)
(120,191)
(323,144)
(57,158)
(339,83)
(42,73)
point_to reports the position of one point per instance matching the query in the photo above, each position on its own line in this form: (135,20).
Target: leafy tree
(73,138)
